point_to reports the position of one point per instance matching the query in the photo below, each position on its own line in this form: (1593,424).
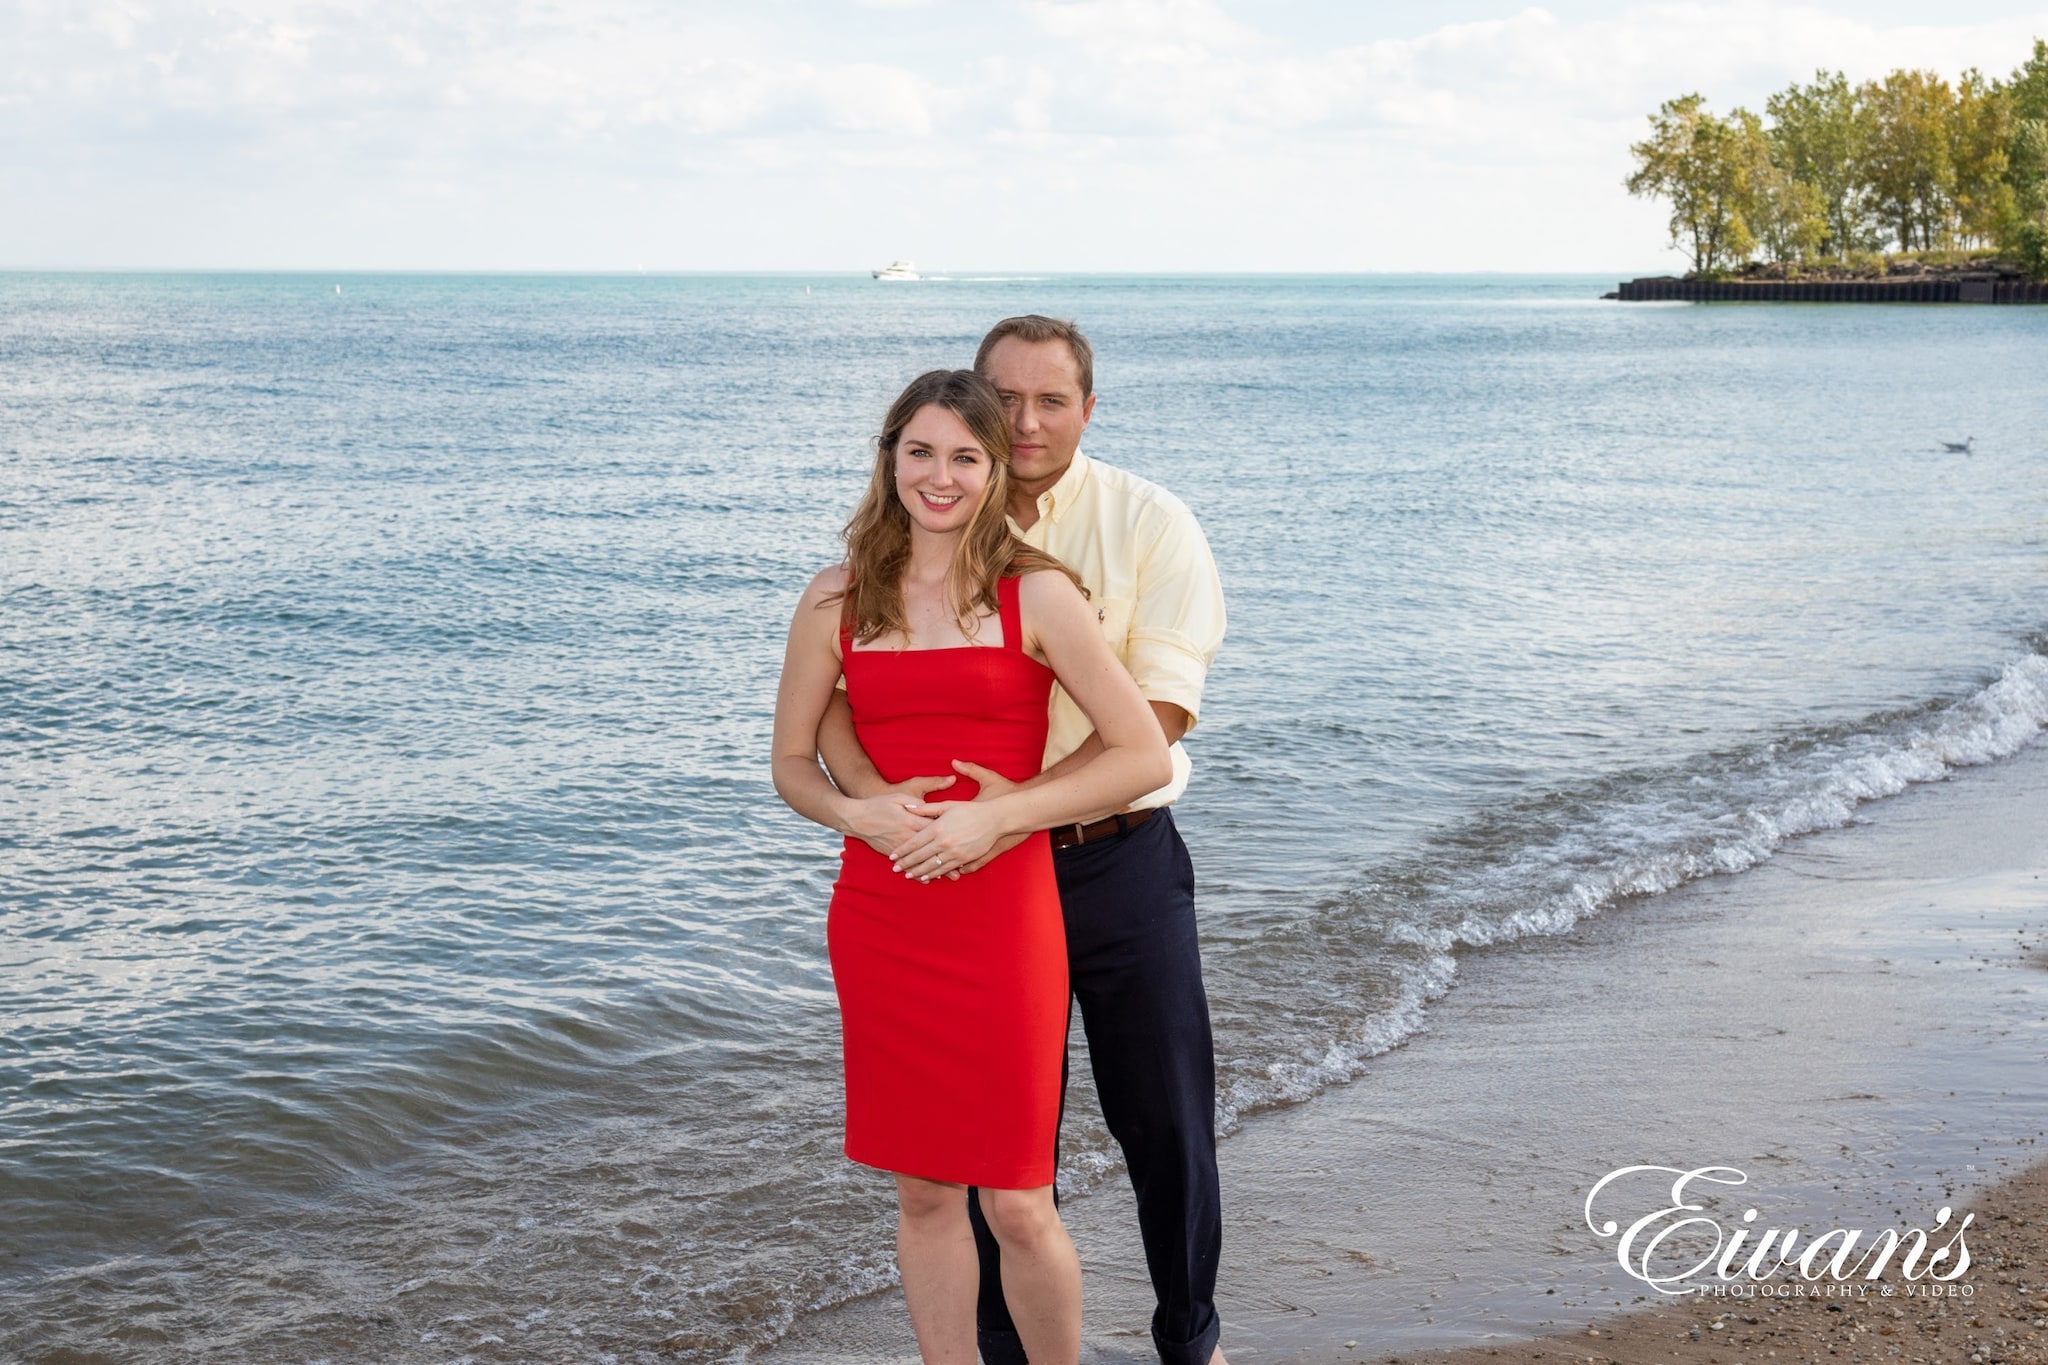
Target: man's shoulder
(1132,497)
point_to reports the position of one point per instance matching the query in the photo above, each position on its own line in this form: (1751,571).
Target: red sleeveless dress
(952,994)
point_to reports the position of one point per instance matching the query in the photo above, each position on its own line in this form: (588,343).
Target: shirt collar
(1054,501)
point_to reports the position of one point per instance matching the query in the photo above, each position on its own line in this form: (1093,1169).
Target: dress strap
(1012,614)
(846,622)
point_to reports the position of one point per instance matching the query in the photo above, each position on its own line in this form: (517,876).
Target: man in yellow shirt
(1126,884)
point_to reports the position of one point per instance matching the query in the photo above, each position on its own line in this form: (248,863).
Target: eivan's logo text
(1663,1247)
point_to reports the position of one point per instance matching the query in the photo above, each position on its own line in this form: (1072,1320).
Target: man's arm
(1176,627)
(1176,630)
(1173,723)
(853,772)
(1133,758)
(1177,620)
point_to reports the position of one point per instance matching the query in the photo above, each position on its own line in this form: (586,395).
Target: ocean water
(403,956)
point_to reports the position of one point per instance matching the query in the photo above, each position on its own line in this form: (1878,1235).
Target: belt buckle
(1080,834)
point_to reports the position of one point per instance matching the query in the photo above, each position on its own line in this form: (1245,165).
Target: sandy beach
(2005,1319)
(1855,1025)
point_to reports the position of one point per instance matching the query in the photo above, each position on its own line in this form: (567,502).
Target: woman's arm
(810,667)
(1133,759)
(853,772)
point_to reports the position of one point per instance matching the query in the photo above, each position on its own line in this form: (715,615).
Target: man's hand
(993,784)
(889,819)
(1173,723)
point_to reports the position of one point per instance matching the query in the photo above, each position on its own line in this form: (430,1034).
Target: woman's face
(942,472)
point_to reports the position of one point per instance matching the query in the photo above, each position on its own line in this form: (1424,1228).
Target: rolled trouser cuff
(1196,1352)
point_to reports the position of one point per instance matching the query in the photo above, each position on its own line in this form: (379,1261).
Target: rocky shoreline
(1903,279)
(1890,268)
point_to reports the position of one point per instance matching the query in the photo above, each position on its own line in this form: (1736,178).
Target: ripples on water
(405,956)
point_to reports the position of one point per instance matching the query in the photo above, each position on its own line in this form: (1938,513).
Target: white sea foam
(1639,836)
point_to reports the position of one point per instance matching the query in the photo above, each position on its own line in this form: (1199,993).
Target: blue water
(401,947)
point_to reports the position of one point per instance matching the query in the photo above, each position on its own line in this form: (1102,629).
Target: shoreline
(1972,289)
(2004,1320)
(1846,1022)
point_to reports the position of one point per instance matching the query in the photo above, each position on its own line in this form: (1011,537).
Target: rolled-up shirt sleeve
(1177,620)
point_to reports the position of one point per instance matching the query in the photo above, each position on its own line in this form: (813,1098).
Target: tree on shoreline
(1786,216)
(1836,170)
(1817,138)
(1695,160)
(2027,168)
(1906,161)
(1981,146)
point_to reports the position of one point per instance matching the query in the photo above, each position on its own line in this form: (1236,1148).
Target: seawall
(1922,290)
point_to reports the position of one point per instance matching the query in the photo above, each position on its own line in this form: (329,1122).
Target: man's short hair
(1038,327)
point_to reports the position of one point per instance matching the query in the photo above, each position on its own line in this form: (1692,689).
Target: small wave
(1749,802)
(1354,979)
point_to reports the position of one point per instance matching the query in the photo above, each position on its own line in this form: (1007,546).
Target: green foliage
(2026,169)
(2030,249)
(2025,233)
(1697,162)
(1841,171)
(1907,161)
(2029,87)
(1785,216)
(1980,149)
(1817,138)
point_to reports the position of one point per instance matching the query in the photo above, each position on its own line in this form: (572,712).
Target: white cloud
(1125,133)
(1167,31)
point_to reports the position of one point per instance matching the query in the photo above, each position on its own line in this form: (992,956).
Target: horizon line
(966,274)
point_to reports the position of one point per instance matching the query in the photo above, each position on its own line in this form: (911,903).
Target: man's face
(1041,388)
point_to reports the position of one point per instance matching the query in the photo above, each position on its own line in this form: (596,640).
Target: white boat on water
(898,270)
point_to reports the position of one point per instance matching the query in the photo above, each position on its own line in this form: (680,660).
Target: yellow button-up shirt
(1154,588)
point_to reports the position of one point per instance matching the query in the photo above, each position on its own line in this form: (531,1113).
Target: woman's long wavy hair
(877,536)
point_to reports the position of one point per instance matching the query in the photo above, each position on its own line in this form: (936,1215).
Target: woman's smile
(944,466)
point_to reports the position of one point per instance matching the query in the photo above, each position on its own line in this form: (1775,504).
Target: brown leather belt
(1067,836)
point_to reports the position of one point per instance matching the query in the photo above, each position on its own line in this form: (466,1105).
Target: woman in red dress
(952,978)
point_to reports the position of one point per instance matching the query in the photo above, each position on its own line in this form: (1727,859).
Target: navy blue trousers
(1136,970)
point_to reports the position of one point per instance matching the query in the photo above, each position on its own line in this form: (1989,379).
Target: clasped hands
(923,839)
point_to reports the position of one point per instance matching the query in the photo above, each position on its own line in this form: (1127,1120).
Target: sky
(838,135)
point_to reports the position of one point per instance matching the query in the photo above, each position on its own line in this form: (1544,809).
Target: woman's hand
(888,820)
(992,784)
(956,834)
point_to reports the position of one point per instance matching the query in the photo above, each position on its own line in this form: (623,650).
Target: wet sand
(1858,1025)
(2004,1320)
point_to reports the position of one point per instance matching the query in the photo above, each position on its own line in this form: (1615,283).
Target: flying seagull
(1963,449)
